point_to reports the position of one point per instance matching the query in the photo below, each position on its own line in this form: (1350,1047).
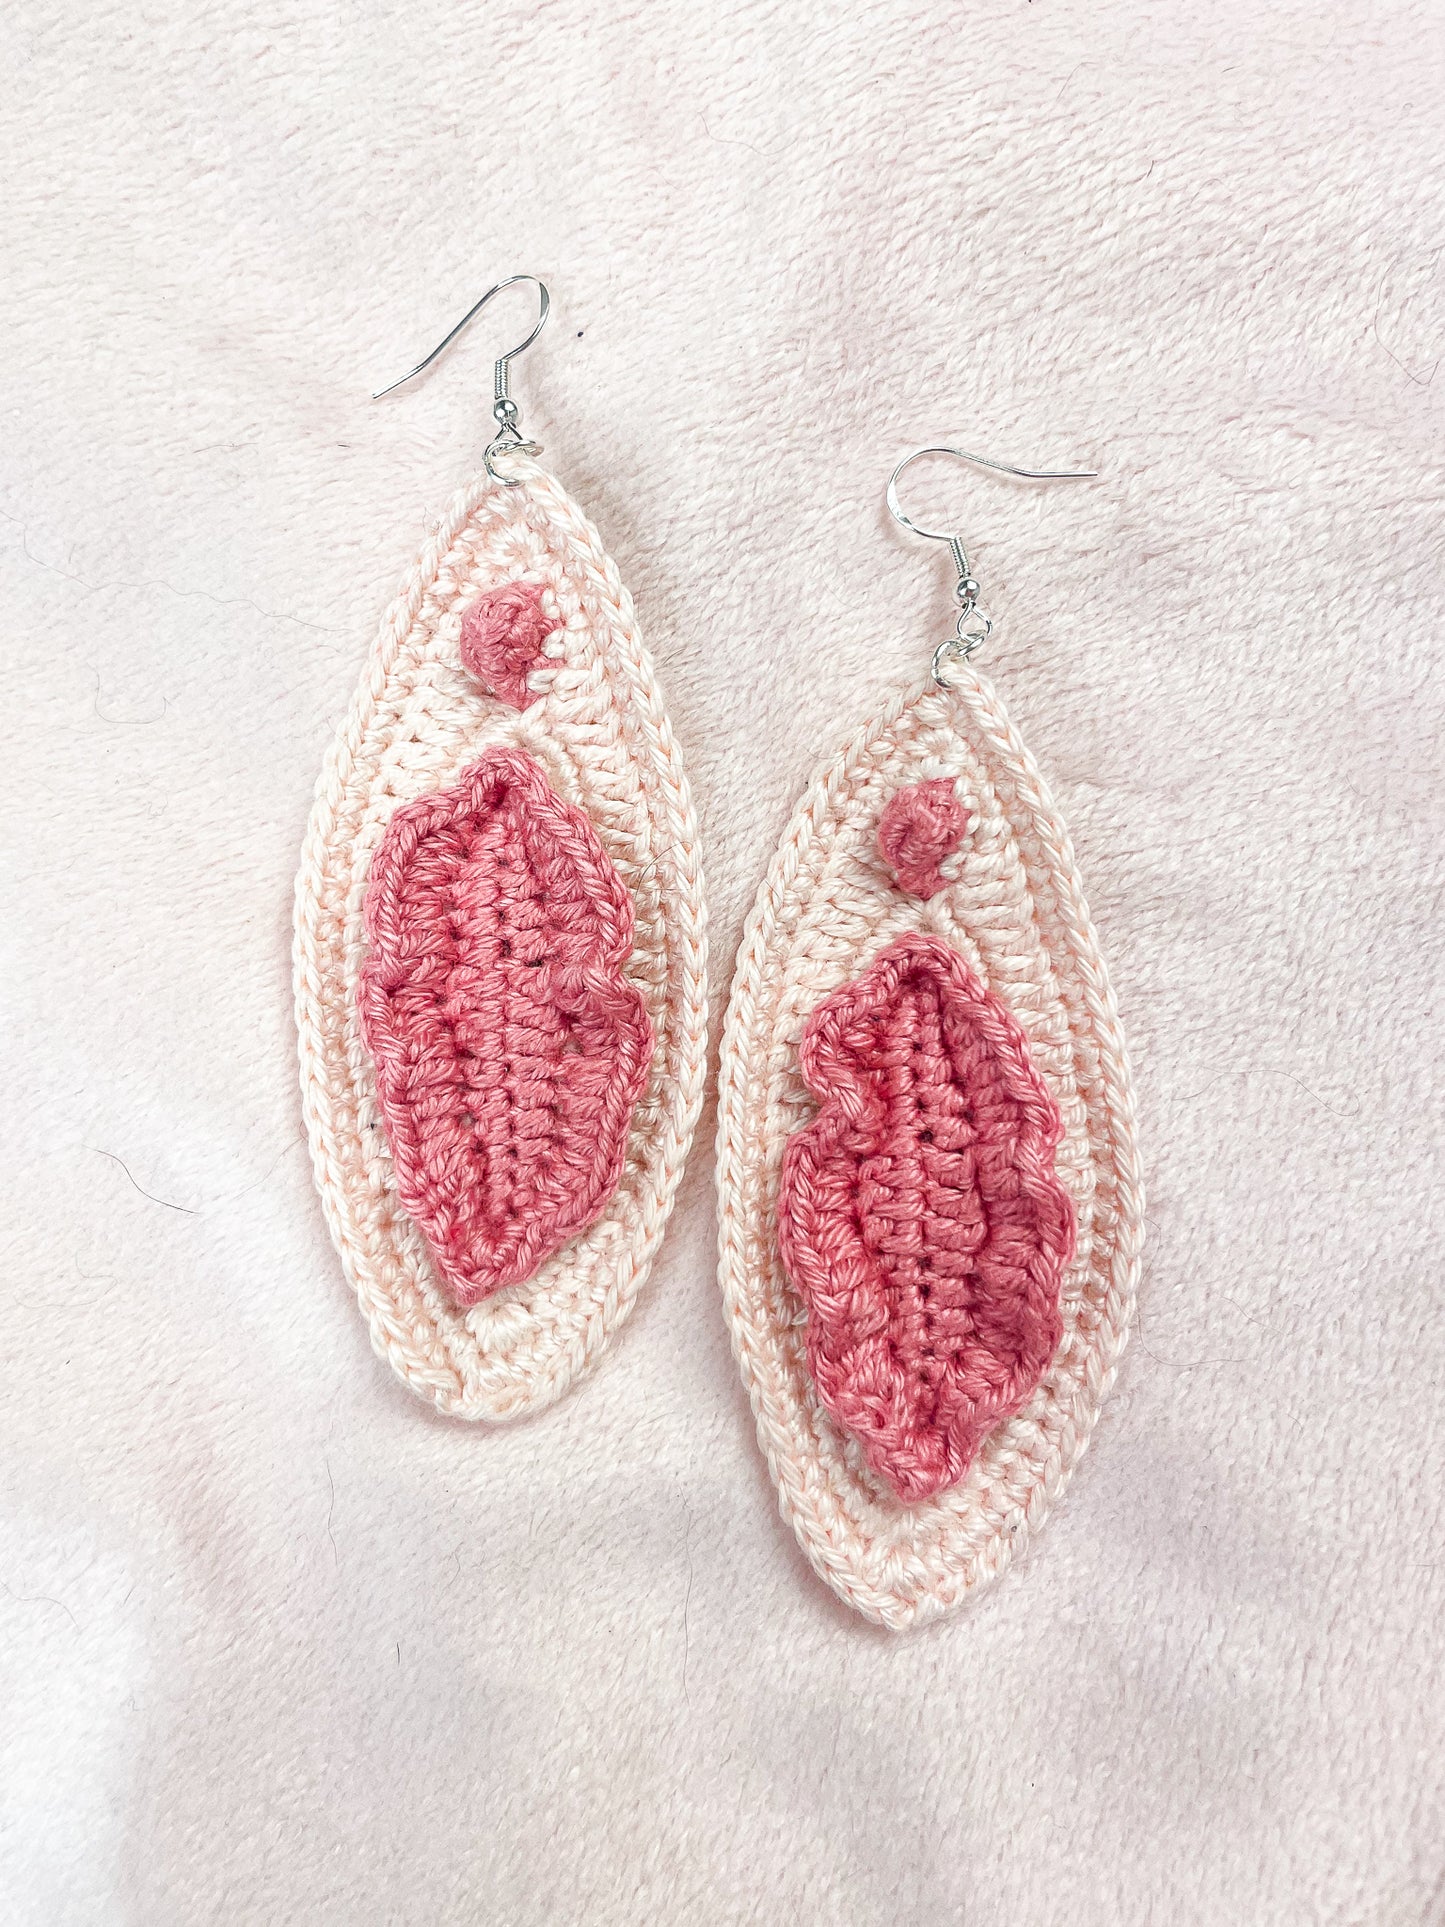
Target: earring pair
(928,1189)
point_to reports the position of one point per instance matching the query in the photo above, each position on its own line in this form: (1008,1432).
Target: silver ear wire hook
(974,627)
(508,438)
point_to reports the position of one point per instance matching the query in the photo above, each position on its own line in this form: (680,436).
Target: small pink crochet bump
(509,1048)
(920,1218)
(502,636)
(920,826)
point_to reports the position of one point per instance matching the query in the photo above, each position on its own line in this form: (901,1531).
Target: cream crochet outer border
(1014,908)
(600,730)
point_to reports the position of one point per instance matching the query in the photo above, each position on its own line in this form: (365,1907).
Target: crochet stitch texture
(1013,911)
(919,1218)
(502,637)
(509,1047)
(919,829)
(595,723)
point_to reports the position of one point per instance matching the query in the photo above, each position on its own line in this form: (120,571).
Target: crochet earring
(929,1196)
(500,950)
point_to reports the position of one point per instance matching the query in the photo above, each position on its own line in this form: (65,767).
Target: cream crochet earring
(928,1183)
(500,951)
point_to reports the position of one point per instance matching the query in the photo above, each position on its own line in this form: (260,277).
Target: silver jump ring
(960,646)
(509,442)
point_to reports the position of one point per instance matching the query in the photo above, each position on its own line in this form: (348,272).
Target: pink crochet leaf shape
(509,1048)
(920,1217)
(920,827)
(502,636)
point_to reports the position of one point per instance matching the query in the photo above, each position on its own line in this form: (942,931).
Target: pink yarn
(510,1050)
(502,636)
(920,826)
(920,1218)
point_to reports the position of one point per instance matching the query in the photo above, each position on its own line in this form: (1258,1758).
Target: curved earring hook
(981,461)
(508,438)
(974,626)
(545,303)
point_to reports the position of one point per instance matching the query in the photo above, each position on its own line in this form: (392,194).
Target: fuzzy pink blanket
(281,1646)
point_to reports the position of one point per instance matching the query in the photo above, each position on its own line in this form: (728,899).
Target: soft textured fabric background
(278,1645)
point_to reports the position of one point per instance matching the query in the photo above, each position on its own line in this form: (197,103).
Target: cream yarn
(1014,909)
(599,729)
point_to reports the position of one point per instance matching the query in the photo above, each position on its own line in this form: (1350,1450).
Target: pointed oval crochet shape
(1011,910)
(578,718)
(509,1047)
(919,1216)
